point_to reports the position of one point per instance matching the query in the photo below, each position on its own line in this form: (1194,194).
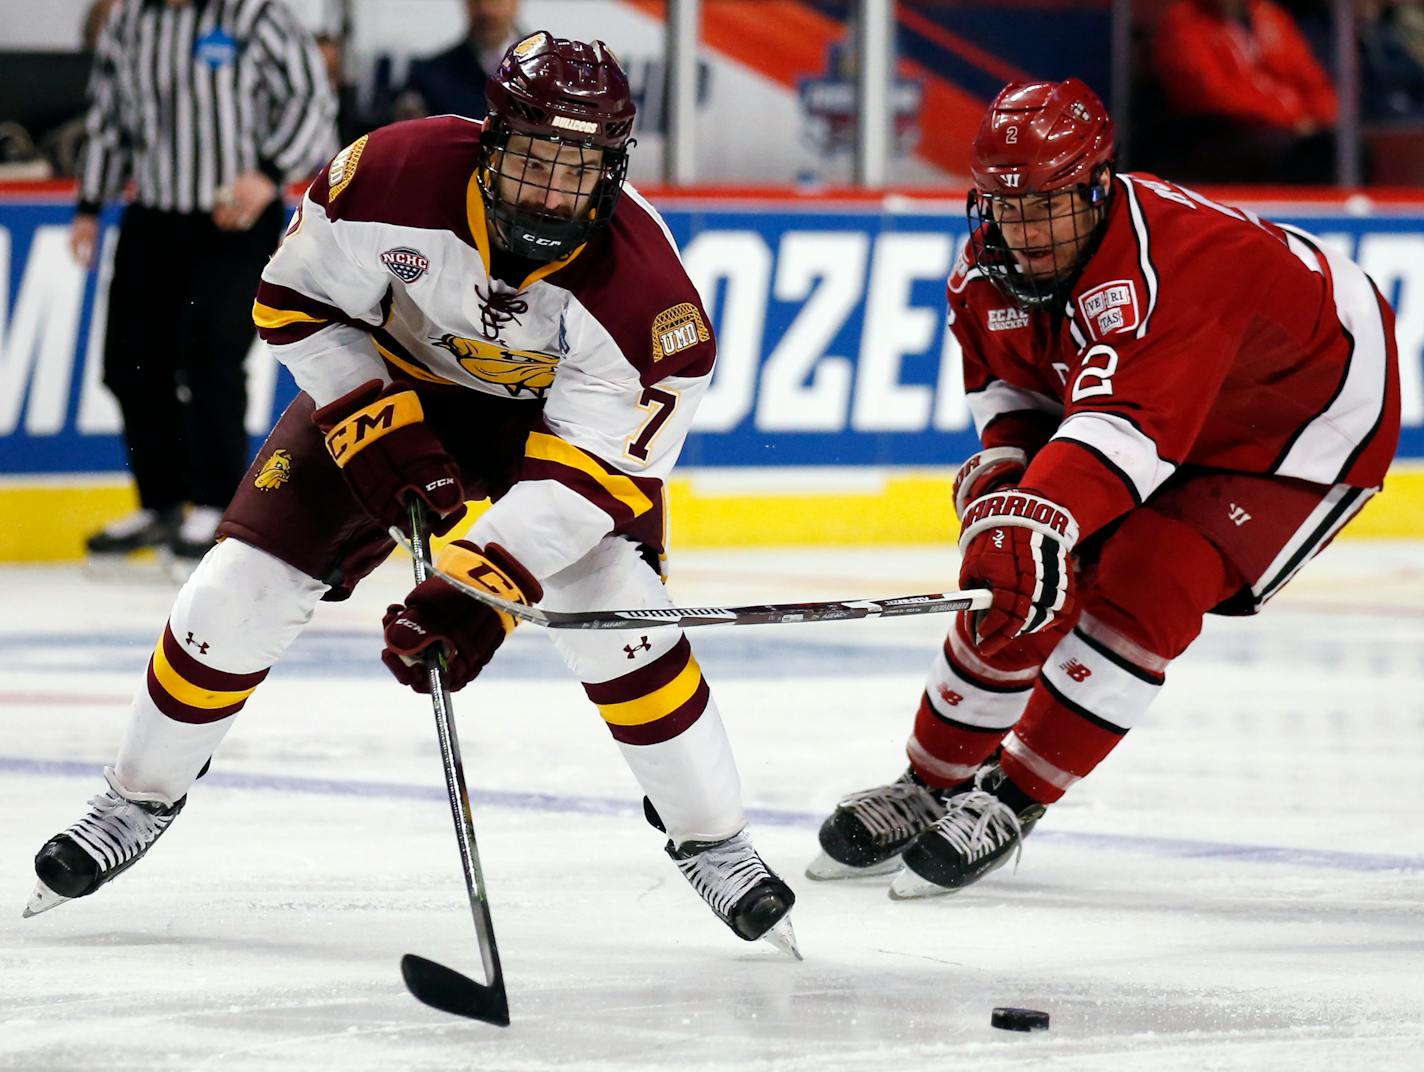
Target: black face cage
(1039,287)
(525,225)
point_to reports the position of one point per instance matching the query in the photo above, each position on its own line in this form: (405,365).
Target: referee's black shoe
(137,531)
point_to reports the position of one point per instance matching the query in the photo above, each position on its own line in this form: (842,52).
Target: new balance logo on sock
(1076,670)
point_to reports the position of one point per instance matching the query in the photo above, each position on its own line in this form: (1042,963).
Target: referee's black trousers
(178,333)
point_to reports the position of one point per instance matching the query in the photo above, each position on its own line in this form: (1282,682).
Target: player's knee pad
(614,575)
(242,608)
(1154,580)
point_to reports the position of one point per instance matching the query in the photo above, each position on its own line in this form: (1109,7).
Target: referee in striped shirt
(207,108)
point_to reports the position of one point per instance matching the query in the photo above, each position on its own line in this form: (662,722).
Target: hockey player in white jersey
(468,317)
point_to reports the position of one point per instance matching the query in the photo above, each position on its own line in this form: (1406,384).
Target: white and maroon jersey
(1197,335)
(385,274)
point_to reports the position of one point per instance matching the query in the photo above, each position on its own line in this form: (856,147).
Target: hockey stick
(436,985)
(757,614)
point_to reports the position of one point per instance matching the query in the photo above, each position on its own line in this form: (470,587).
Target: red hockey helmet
(567,93)
(1039,138)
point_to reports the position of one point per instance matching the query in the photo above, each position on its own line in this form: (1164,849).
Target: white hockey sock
(232,620)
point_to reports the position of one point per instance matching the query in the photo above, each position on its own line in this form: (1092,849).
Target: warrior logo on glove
(1017,543)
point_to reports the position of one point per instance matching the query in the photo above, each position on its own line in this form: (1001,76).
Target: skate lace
(896,811)
(116,830)
(979,823)
(723,873)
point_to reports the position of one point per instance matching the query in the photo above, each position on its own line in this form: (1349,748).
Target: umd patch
(677,329)
(343,167)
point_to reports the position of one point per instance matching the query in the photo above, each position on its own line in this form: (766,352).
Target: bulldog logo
(275,471)
(517,371)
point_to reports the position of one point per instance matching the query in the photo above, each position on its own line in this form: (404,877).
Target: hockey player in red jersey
(1180,403)
(472,310)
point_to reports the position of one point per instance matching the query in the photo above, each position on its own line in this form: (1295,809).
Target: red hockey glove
(437,613)
(989,470)
(1017,543)
(378,436)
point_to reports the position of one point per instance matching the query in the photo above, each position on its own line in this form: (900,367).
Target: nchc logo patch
(676,329)
(1110,307)
(406,264)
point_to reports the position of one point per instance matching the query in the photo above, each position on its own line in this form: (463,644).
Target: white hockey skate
(737,885)
(976,835)
(867,831)
(113,837)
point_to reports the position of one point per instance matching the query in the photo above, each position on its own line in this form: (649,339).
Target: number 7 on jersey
(661,403)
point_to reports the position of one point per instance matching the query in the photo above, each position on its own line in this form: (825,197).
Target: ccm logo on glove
(436,614)
(378,437)
(370,423)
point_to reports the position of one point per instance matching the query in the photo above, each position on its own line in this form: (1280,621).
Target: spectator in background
(206,215)
(453,82)
(1247,100)
(1391,76)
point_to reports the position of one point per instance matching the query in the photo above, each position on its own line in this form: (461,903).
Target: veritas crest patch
(678,328)
(1110,307)
(343,167)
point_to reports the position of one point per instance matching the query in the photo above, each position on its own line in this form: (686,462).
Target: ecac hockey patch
(676,329)
(1007,319)
(1110,307)
(406,264)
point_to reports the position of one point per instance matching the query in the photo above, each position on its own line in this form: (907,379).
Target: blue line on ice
(552,802)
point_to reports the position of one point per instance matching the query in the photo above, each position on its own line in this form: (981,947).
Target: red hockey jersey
(1197,334)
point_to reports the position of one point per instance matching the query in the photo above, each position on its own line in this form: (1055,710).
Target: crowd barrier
(836,414)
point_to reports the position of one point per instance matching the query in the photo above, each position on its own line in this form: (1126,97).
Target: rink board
(836,414)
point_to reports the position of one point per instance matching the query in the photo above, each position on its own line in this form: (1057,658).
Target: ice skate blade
(825,868)
(908,886)
(42,900)
(784,938)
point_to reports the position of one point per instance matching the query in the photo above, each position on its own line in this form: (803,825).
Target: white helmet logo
(583,126)
(1011,180)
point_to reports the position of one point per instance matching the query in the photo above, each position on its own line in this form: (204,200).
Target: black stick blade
(447,990)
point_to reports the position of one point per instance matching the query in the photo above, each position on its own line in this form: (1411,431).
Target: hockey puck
(1019,1019)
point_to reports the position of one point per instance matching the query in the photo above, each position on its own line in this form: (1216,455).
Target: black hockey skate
(976,835)
(138,531)
(108,841)
(737,885)
(867,831)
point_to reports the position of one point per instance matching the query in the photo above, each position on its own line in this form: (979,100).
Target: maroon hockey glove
(467,631)
(377,435)
(1017,543)
(989,470)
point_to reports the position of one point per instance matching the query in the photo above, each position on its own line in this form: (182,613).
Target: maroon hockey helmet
(566,93)
(1039,138)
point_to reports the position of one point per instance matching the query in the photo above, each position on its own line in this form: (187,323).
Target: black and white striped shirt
(184,98)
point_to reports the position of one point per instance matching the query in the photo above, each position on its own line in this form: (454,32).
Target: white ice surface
(1239,886)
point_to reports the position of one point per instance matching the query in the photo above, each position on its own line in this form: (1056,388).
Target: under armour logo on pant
(201,646)
(633,649)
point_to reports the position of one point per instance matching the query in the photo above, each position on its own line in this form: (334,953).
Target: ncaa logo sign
(406,264)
